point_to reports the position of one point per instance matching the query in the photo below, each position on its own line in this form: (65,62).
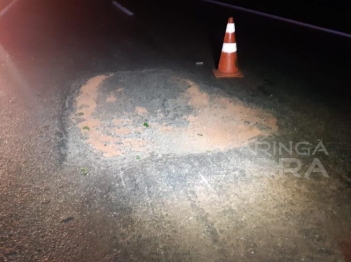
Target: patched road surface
(118,144)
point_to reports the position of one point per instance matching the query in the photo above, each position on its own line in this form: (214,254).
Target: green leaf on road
(86,128)
(84,171)
(146,124)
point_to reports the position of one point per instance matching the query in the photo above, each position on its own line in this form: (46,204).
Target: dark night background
(329,14)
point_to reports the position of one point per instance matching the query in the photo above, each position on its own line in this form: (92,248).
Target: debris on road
(84,171)
(66,220)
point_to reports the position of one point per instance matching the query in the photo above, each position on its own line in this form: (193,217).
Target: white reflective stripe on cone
(229,47)
(230,28)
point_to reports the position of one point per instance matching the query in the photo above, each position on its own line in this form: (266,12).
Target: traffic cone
(228,62)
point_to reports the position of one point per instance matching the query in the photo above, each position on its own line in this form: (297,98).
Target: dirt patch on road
(111,99)
(221,123)
(90,126)
(140,122)
(141,110)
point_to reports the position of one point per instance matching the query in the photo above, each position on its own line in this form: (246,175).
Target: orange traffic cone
(228,62)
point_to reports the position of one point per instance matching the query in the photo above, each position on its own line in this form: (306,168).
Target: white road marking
(206,182)
(280,18)
(3,11)
(121,177)
(122,8)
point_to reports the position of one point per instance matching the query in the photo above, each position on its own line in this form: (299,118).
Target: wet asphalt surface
(62,200)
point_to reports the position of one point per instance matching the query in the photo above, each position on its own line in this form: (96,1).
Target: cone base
(224,75)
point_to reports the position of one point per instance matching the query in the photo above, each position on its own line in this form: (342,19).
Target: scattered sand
(215,123)
(117,121)
(121,122)
(86,105)
(221,124)
(141,110)
(196,98)
(111,99)
(122,131)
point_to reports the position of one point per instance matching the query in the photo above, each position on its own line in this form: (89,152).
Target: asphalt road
(117,146)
